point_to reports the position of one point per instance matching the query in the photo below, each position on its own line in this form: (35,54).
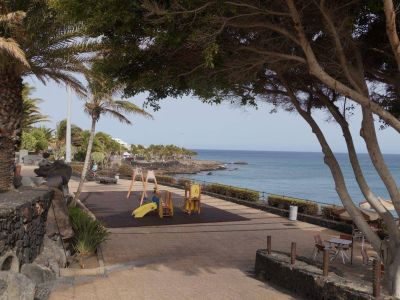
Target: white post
(68,131)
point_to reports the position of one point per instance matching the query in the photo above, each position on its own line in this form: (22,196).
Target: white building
(125,144)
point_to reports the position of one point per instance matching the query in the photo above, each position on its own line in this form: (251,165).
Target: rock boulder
(16,286)
(58,168)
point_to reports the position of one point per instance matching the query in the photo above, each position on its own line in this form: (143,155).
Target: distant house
(127,155)
(121,142)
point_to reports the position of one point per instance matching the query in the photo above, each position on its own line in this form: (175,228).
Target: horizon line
(292,151)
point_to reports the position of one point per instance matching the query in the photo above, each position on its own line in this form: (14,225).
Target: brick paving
(189,261)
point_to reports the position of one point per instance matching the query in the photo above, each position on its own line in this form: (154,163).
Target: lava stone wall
(23,216)
(306,280)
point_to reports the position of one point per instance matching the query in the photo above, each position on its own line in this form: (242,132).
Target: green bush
(165,179)
(125,170)
(77,168)
(304,206)
(184,182)
(233,192)
(89,233)
(328,212)
(98,157)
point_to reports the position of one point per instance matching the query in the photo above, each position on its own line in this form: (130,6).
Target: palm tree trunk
(10,125)
(87,159)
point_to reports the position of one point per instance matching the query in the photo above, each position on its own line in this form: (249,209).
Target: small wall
(306,280)
(23,215)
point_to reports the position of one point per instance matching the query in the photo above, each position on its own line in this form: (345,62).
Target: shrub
(184,182)
(98,157)
(304,206)
(233,192)
(381,229)
(77,168)
(166,179)
(89,233)
(125,170)
(328,212)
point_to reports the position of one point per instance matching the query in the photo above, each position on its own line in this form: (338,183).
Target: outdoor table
(340,244)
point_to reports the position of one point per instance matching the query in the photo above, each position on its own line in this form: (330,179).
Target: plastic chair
(320,247)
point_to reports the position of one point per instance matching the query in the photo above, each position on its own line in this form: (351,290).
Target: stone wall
(306,280)
(23,216)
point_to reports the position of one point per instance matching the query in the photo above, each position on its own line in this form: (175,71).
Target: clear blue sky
(188,123)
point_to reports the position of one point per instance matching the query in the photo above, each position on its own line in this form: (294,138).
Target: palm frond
(61,77)
(117,115)
(129,107)
(30,110)
(13,49)
(13,17)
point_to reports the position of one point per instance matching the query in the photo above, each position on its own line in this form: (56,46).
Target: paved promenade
(189,261)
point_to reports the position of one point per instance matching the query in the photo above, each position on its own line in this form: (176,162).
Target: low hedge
(77,168)
(328,212)
(233,192)
(165,179)
(125,170)
(304,206)
(184,182)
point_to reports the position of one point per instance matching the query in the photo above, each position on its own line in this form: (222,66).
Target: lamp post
(68,131)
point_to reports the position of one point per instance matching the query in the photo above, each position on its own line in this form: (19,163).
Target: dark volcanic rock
(58,168)
(106,180)
(307,281)
(57,219)
(22,222)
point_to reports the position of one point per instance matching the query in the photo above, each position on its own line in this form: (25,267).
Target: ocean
(297,174)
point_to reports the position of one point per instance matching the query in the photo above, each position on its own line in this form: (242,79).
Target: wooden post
(293,253)
(325,263)
(376,283)
(269,244)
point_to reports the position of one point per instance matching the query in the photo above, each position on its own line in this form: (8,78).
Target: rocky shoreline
(186,166)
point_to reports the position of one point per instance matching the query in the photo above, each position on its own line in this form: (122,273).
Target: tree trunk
(368,133)
(358,173)
(337,174)
(390,14)
(87,159)
(10,126)
(393,272)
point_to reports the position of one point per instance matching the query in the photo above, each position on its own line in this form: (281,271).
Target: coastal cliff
(184,166)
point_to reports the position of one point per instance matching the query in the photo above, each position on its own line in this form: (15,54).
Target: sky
(189,123)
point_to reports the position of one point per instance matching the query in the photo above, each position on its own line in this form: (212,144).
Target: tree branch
(331,161)
(274,54)
(317,71)
(391,30)
(358,173)
(340,51)
(264,11)
(368,133)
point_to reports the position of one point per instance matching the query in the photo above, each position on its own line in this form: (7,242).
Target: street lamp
(68,131)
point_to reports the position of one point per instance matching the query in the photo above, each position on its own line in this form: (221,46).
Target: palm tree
(100,103)
(30,110)
(33,41)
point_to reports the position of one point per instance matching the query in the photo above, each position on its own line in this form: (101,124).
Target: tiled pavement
(189,261)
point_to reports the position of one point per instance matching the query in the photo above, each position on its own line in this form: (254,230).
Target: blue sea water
(297,174)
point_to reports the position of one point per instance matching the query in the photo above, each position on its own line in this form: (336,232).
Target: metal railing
(263,195)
